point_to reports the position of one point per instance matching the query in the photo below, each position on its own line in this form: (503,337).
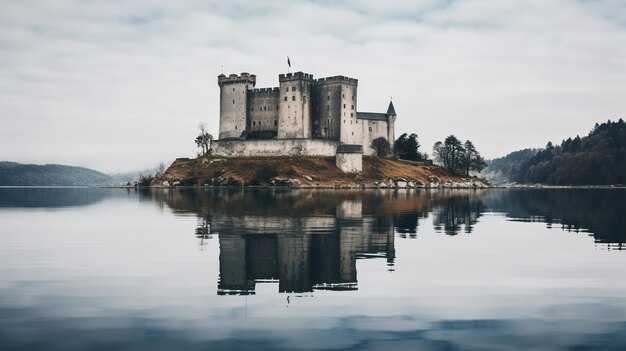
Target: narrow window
(352,133)
(328,98)
(370,129)
(285,98)
(353,107)
(352,97)
(344,121)
(275,122)
(343,95)
(351,114)
(344,105)
(293,98)
(233,101)
(264,108)
(254,123)
(233,89)
(235,127)
(293,88)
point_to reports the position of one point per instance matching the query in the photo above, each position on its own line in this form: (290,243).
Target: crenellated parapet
(266,91)
(337,79)
(295,76)
(244,77)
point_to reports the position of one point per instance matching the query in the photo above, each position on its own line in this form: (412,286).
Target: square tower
(294,115)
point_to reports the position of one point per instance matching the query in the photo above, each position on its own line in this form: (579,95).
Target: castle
(303,116)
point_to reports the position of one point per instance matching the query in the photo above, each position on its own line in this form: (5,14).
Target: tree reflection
(458,213)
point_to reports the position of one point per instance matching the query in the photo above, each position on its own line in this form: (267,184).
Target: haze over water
(312,270)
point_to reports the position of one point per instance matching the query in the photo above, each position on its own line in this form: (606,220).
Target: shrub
(145,180)
(381,146)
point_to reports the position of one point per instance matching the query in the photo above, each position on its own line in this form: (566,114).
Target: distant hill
(504,170)
(596,159)
(17,174)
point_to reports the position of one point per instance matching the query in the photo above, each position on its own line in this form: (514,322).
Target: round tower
(234,104)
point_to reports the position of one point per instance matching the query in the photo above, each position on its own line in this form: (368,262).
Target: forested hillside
(504,170)
(596,159)
(17,174)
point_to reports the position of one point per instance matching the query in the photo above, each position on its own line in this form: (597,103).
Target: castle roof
(390,109)
(372,116)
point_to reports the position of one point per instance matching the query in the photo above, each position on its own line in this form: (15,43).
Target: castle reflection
(308,240)
(303,252)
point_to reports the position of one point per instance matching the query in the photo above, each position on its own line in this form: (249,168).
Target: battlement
(295,76)
(244,77)
(337,79)
(266,91)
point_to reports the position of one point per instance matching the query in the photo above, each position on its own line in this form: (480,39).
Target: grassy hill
(17,174)
(305,171)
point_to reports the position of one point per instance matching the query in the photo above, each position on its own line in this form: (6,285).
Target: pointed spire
(390,109)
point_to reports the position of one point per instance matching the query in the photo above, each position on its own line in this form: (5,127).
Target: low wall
(274,147)
(349,162)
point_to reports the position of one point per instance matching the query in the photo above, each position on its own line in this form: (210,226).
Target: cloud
(122,85)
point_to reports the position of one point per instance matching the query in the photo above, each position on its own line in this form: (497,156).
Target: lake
(232,269)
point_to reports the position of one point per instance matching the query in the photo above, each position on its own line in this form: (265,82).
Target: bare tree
(203,140)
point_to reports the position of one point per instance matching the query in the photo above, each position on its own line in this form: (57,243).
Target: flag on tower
(288,61)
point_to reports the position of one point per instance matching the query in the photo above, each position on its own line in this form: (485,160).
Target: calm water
(112,269)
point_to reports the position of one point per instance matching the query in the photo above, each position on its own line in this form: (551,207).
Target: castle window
(353,107)
(343,95)
(352,133)
(370,129)
(235,127)
(344,105)
(264,108)
(352,97)
(233,89)
(277,107)
(328,98)
(259,108)
(293,98)
(275,122)
(293,88)
(233,101)
(351,114)
(350,122)
(285,98)
(254,123)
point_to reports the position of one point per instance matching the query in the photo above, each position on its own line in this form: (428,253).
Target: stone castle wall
(273,148)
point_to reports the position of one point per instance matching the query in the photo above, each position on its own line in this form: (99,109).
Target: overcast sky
(122,85)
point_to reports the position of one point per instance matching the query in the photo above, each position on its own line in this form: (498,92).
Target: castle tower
(233,104)
(391,122)
(294,116)
(335,110)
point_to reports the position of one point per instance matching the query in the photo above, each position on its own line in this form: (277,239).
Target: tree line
(458,157)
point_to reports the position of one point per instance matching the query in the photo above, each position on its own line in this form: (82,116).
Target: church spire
(390,109)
